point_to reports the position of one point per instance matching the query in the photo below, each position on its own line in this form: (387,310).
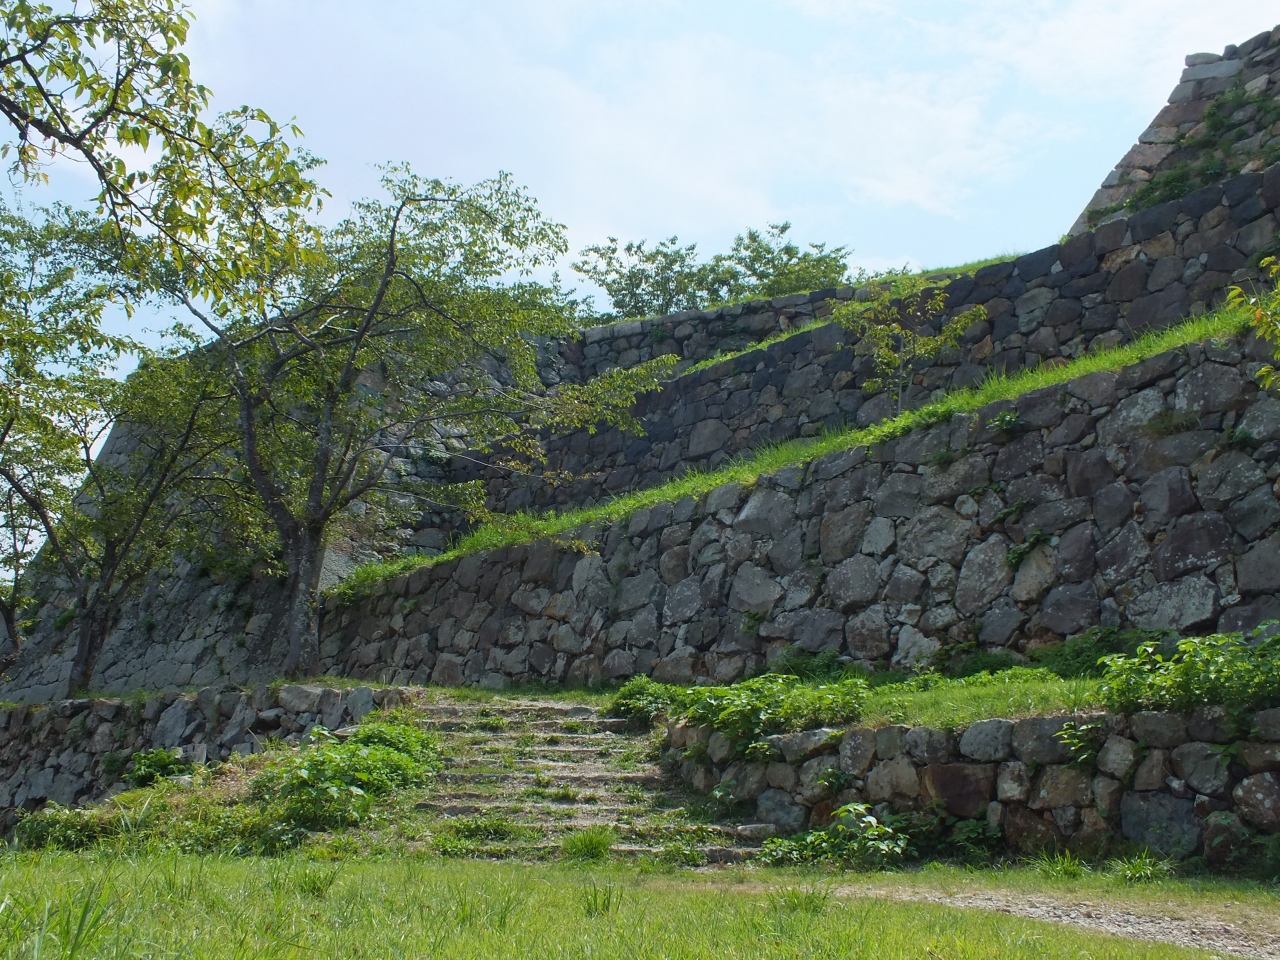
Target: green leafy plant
(1141,867)
(1083,654)
(1017,553)
(152,765)
(1168,423)
(643,700)
(856,837)
(1014,511)
(1082,740)
(1060,866)
(1006,422)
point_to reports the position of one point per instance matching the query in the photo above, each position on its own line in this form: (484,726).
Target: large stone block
(1179,605)
(1203,767)
(753,591)
(777,807)
(964,789)
(984,575)
(936,532)
(988,740)
(853,584)
(1194,543)
(1162,822)
(1070,608)
(1035,740)
(1058,785)
(1259,570)
(1257,799)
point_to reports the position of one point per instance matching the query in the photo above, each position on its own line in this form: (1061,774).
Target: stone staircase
(521,775)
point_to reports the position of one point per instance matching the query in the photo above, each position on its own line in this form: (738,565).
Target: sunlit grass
(78,906)
(516,528)
(951,703)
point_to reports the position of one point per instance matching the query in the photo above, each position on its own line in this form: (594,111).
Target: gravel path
(1208,933)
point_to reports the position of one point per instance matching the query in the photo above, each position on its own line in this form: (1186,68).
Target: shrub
(1082,655)
(642,700)
(856,837)
(1225,669)
(772,704)
(152,765)
(1142,867)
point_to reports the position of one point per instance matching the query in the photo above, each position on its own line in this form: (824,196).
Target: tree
(1261,304)
(399,328)
(902,326)
(92,80)
(644,282)
(96,513)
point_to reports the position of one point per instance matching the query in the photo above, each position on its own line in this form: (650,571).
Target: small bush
(1060,866)
(152,765)
(770,704)
(1082,655)
(643,700)
(1224,669)
(856,837)
(591,843)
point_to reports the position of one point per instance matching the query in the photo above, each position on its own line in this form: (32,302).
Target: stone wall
(77,751)
(1178,137)
(1180,785)
(1146,497)
(1097,290)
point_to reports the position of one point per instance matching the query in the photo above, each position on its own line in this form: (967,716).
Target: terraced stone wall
(1179,785)
(1145,497)
(1097,290)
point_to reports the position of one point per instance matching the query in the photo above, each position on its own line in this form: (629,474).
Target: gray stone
(904,585)
(1210,724)
(936,532)
(1194,543)
(1203,767)
(1013,782)
(818,630)
(1266,724)
(768,513)
(1257,799)
(1209,388)
(1018,457)
(1259,570)
(1096,389)
(1262,420)
(1254,514)
(708,437)
(684,601)
(754,590)
(899,495)
(1035,740)
(778,808)
(1129,417)
(988,740)
(868,634)
(854,583)
(360,703)
(984,576)
(1159,728)
(1226,838)
(944,484)
(1112,507)
(892,778)
(1000,621)
(857,751)
(1165,824)
(1153,771)
(719,748)
(813,789)
(802,746)
(928,745)
(1106,795)
(1179,605)
(174,722)
(300,699)
(1088,472)
(889,740)
(913,649)
(1121,558)
(880,537)
(1070,608)
(1036,573)
(842,532)
(1077,553)
(1258,757)
(1167,494)
(747,780)
(1117,757)
(1058,785)
(1228,478)
(618,664)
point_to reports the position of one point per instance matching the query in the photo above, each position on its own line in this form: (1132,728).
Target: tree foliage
(92,81)
(902,326)
(644,281)
(400,332)
(1263,307)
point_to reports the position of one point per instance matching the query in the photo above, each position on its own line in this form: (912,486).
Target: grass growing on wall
(518,528)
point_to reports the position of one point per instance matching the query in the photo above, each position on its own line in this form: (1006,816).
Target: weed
(1141,867)
(1007,423)
(1014,511)
(152,765)
(589,844)
(808,900)
(942,458)
(600,900)
(1168,423)
(1060,866)
(1017,553)
(642,700)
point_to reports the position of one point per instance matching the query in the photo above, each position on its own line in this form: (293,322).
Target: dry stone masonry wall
(1179,785)
(73,752)
(1146,497)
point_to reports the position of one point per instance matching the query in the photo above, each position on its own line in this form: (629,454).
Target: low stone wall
(72,752)
(1181,785)
(1142,497)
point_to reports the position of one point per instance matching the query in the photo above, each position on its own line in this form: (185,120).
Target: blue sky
(935,132)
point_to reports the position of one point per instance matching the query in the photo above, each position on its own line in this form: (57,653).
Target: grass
(525,528)
(77,906)
(932,701)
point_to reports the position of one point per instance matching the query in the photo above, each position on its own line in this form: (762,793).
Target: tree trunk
(8,661)
(302,595)
(91,634)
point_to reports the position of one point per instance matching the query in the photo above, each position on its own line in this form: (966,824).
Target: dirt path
(1228,937)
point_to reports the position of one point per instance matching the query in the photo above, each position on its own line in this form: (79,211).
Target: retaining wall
(1180,785)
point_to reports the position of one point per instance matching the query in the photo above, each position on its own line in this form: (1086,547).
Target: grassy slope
(955,703)
(76,906)
(525,528)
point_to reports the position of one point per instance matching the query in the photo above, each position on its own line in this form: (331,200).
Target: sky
(932,133)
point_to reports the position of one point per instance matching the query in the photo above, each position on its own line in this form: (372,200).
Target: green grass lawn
(85,907)
(937,702)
